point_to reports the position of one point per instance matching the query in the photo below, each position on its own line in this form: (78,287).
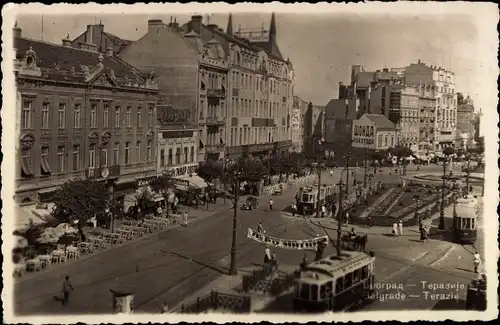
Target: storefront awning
(186,182)
(24,215)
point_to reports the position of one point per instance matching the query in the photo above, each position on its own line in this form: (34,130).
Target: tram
(336,283)
(308,197)
(465,213)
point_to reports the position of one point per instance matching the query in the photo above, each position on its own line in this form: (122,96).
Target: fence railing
(251,280)
(216,300)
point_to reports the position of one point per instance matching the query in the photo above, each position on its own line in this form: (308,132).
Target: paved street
(173,265)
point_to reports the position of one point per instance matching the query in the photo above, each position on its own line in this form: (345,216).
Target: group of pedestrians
(397,228)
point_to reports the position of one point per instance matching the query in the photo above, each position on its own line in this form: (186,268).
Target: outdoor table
(85,247)
(45,259)
(34,264)
(113,237)
(127,234)
(58,256)
(97,242)
(148,226)
(19,269)
(135,230)
(72,252)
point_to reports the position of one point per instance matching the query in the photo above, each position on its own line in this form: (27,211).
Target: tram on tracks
(336,283)
(465,214)
(308,198)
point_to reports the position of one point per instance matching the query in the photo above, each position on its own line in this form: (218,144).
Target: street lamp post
(441,210)
(417,215)
(319,168)
(340,213)
(467,174)
(366,166)
(232,268)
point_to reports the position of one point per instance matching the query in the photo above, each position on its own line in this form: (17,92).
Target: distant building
(373,131)
(81,114)
(96,38)
(313,129)
(299,109)
(465,120)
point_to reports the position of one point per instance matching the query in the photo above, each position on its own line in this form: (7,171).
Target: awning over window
(45,165)
(186,182)
(26,166)
(128,201)
(24,215)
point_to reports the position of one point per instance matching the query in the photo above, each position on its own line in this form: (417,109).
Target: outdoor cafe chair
(19,269)
(45,260)
(34,265)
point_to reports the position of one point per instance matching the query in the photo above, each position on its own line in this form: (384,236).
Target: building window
(76,157)
(128,116)
(104,157)
(138,151)
(150,117)
(45,116)
(116,154)
(127,152)
(93,115)
(162,157)
(149,150)
(61,159)
(26,169)
(185,154)
(117,116)
(76,115)
(139,117)
(178,156)
(61,116)
(105,116)
(170,157)
(192,154)
(45,166)
(92,156)
(26,117)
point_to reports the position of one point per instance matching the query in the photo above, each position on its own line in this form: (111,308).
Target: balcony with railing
(215,148)
(216,120)
(216,92)
(103,172)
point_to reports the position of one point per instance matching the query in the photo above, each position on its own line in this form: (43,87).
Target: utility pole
(467,175)
(366,165)
(340,215)
(441,210)
(347,176)
(232,269)
(318,206)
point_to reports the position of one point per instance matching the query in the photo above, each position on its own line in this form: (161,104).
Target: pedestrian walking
(395,229)
(334,210)
(304,262)
(159,211)
(323,211)
(331,172)
(260,228)
(400,227)
(267,255)
(477,262)
(294,210)
(346,218)
(67,288)
(185,217)
(369,221)
(271,202)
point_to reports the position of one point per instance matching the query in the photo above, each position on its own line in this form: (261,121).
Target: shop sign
(184,170)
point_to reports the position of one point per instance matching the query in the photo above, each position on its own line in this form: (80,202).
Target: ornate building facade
(81,114)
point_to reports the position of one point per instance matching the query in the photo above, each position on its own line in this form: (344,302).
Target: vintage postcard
(249,162)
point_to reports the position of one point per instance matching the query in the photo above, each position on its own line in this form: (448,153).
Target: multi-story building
(299,108)
(427,108)
(261,86)
(96,38)
(446,105)
(465,120)
(81,114)
(405,104)
(373,131)
(313,129)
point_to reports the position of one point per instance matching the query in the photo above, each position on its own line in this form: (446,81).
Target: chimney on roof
(196,24)
(154,24)
(66,42)
(221,30)
(109,51)
(213,26)
(17,31)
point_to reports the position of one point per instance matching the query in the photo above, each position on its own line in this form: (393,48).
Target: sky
(323,46)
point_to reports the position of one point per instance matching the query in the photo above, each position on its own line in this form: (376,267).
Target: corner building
(80,114)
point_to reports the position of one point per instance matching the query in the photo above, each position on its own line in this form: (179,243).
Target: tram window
(304,291)
(356,276)
(473,223)
(339,285)
(364,272)
(305,198)
(322,292)
(467,223)
(348,280)
(314,292)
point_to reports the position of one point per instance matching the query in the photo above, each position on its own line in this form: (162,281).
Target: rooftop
(65,63)
(382,122)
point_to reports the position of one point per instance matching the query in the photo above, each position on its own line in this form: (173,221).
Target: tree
(448,151)
(81,199)
(144,199)
(210,170)
(161,185)
(379,155)
(400,151)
